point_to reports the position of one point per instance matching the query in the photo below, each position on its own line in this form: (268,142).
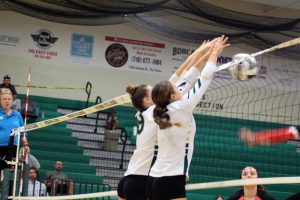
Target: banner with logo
(43,40)
(135,55)
(9,40)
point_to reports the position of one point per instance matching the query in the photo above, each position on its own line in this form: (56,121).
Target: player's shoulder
(148,114)
(236,195)
(263,194)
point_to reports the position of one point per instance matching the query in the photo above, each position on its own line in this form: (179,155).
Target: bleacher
(56,143)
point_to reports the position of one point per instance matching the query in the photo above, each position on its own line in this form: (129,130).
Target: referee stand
(8,179)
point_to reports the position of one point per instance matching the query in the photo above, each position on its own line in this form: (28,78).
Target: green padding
(127,109)
(56,147)
(131,137)
(227,173)
(236,164)
(127,122)
(65,157)
(52,130)
(52,138)
(65,103)
(80,177)
(235,142)
(90,188)
(47,106)
(50,114)
(214,120)
(231,152)
(69,167)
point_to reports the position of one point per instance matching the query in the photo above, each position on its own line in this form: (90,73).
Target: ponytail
(161,117)
(137,95)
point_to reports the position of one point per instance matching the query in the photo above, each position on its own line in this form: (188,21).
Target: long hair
(161,95)
(137,95)
(258,176)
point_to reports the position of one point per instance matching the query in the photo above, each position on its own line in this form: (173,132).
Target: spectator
(295,196)
(9,120)
(35,187)
(33,162)
(256,192)
(112,121)
(56,181)
(219,197)
(7,84)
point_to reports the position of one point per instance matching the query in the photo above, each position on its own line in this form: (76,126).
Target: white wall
(63,70)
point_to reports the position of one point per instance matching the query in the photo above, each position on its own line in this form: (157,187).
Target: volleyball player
(133,185)
(269,137)
(174,115)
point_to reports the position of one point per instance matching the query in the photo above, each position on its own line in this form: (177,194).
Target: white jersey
(146,142)
(146,139)
(176,144)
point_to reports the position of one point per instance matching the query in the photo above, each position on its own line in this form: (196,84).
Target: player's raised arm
(269,137)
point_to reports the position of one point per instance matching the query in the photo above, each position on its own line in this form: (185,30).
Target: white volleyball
(243,69)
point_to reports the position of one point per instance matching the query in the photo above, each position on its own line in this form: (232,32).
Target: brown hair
(161,95)
(137,95)
(258,186)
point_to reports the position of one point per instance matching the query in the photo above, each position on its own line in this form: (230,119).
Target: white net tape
(196,186)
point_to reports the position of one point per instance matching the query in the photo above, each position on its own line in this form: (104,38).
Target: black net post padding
(123,137)
(88,90)
(25,180)
(98,100)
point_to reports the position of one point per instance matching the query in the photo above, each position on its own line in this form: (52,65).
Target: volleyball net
(95,155)
(269,101)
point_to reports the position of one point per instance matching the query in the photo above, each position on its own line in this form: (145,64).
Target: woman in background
(251,192)
(10,119)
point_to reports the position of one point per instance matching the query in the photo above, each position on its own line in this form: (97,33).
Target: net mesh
(269,101)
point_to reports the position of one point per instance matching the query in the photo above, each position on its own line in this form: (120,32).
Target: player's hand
(27,150)
(246,135)
(204,47)
(219,45)
(200,62)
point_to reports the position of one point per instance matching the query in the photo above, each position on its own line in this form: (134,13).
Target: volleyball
(245,69)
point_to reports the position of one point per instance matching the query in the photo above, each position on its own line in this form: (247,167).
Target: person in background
(112,121)
(9,120)
(16,104)
(35,187)
(57,182)
(33,162)
(219,197)
(251,192)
